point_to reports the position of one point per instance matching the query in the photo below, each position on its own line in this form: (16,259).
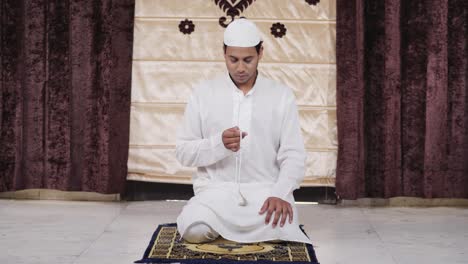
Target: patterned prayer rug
(167,247)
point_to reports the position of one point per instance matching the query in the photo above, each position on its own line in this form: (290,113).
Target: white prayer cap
(242,33)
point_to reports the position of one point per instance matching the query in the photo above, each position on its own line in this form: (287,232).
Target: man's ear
(260,53)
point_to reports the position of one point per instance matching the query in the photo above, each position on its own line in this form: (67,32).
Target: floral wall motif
(186,26)
(233,8)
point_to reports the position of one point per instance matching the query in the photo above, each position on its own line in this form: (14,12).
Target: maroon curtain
(65,94)
(402,98)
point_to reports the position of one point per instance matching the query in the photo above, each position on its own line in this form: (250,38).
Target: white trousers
(200,233)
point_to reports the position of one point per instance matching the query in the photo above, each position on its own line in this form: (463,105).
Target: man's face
(242,63)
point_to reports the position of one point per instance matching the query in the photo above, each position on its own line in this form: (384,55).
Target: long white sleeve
(291,155)
(192,148)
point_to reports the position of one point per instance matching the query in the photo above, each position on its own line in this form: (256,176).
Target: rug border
(145,258)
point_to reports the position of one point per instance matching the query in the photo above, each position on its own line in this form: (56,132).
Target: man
(243,185)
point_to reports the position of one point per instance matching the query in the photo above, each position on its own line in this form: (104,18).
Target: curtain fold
(402,103)
(65,94)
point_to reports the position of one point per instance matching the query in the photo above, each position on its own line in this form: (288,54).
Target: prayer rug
(166,246)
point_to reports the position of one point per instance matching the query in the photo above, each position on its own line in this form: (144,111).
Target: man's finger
(277,216)
(268,217)
(232,145)
(229,140)
(291,212)
(234,133)
(284,215)
(264,207)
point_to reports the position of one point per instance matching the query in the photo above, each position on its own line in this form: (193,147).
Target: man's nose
(241,67)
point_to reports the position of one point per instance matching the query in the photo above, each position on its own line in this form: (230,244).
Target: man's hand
(280,207)
(231,138)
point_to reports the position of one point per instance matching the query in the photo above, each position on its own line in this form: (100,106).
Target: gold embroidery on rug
(168,245)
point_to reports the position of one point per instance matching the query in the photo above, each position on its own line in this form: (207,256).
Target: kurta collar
(234,86)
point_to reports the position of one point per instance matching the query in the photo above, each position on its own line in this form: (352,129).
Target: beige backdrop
(166,63)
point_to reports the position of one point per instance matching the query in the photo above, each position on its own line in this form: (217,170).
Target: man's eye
(248,61)
(233,60)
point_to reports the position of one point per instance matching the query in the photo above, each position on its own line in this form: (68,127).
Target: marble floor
(47,231)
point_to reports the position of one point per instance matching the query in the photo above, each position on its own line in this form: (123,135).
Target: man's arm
(291,154)
(192,150)
(291,159)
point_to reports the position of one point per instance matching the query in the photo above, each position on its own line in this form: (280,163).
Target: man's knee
(200,233)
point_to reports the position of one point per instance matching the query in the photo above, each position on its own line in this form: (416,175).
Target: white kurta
(273,158)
